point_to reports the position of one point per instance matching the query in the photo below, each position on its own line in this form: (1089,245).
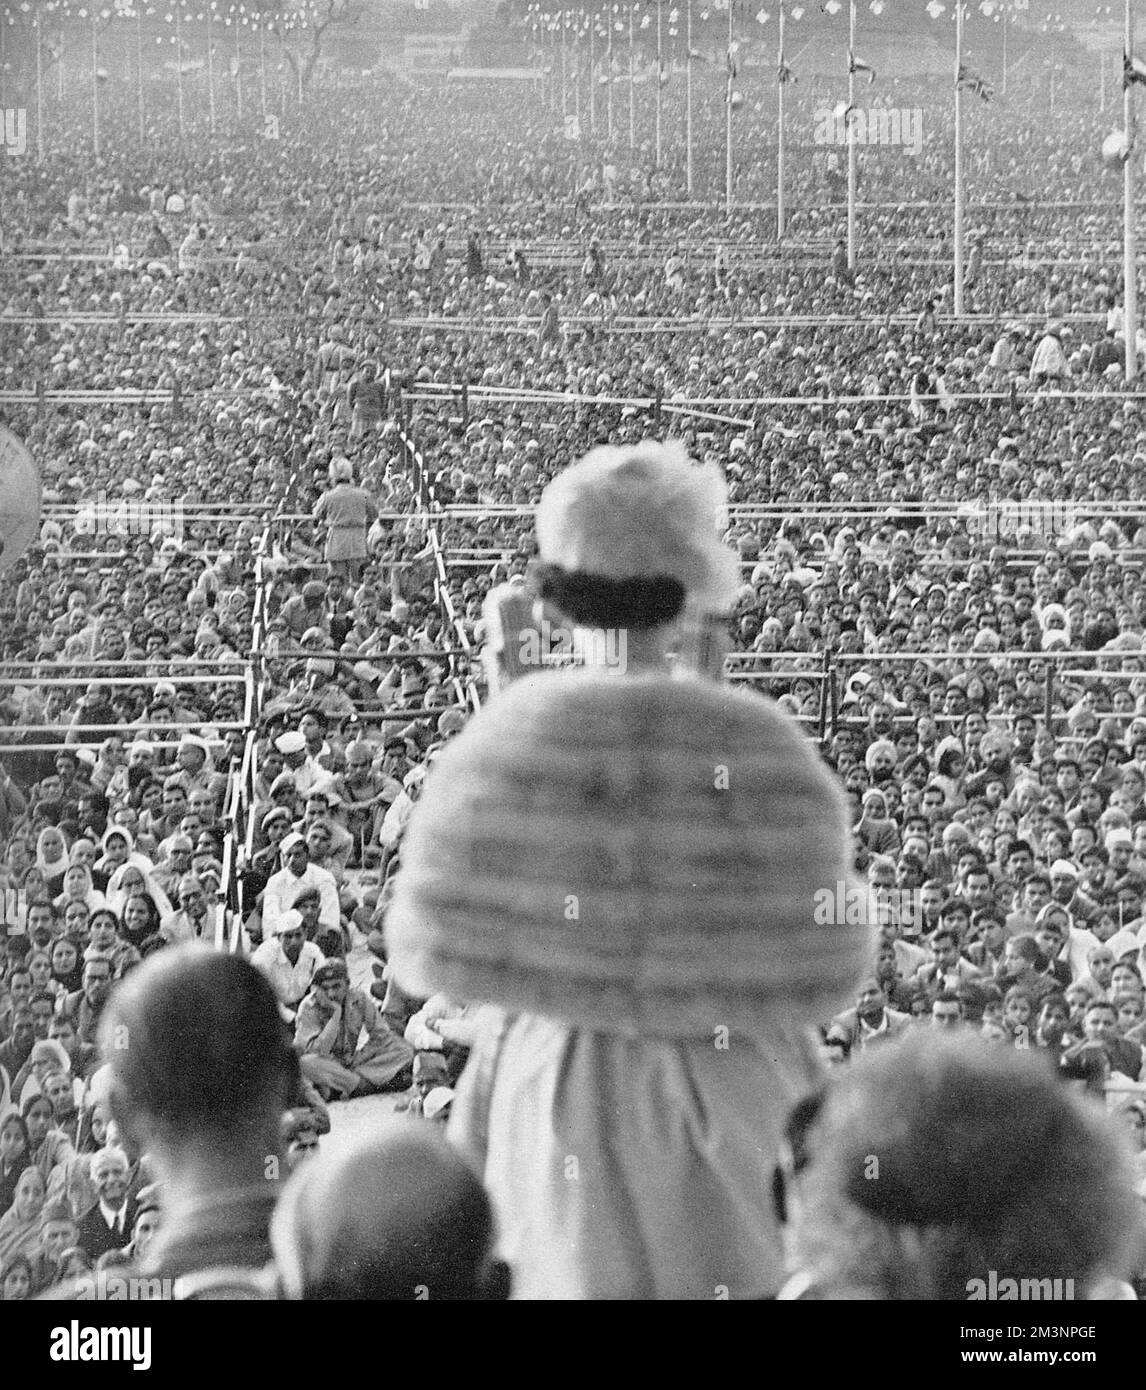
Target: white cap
(290,920)
(641,511)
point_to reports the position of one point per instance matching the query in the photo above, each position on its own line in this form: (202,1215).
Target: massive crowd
(335,400)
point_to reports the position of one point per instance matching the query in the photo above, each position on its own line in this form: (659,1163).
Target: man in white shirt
(296,874)
(1049,361)
(871,1021)
(289,961)
(308,775)
(196,918)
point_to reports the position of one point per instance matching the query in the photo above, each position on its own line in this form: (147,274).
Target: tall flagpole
(564,94)
(609,88)
(632,86)
(660,75)
(179,64)
(577,72)
(211,67)
(958,161)
(238,71)
(1129,235)
(1006,26)
(728,110)
(780,85)
(688,98)
(592,78)
(139,63)
(262,68)
(40,88)
(851,135)
(95,87)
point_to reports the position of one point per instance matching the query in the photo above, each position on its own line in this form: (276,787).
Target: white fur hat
(644,511)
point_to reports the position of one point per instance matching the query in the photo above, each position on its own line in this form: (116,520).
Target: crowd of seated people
(216,724)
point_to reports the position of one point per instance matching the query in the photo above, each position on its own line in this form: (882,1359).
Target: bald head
(398,1216)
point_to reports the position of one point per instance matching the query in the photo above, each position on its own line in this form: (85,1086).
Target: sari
(117,894)
(52,869)
(20,1224)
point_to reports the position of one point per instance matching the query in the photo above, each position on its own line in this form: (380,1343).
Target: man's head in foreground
(942,1160)
(398,1217)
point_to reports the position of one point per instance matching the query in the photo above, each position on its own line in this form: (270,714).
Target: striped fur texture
(635,854)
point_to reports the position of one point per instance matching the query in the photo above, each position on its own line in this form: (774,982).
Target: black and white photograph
(572,667)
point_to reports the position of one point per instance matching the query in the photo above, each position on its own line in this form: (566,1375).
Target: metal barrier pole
(827,697)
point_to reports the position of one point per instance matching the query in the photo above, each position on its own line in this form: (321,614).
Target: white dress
(626,1168)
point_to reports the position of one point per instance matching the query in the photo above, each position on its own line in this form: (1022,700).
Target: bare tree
(283,20)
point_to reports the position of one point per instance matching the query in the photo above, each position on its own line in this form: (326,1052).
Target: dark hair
(105,912)
(1027,947)
(940,1113)
(152,918)
(947,757)
(831,1039)
(14,1117)
(13,1263)
(208,1045)
(598,600)
(975,995)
